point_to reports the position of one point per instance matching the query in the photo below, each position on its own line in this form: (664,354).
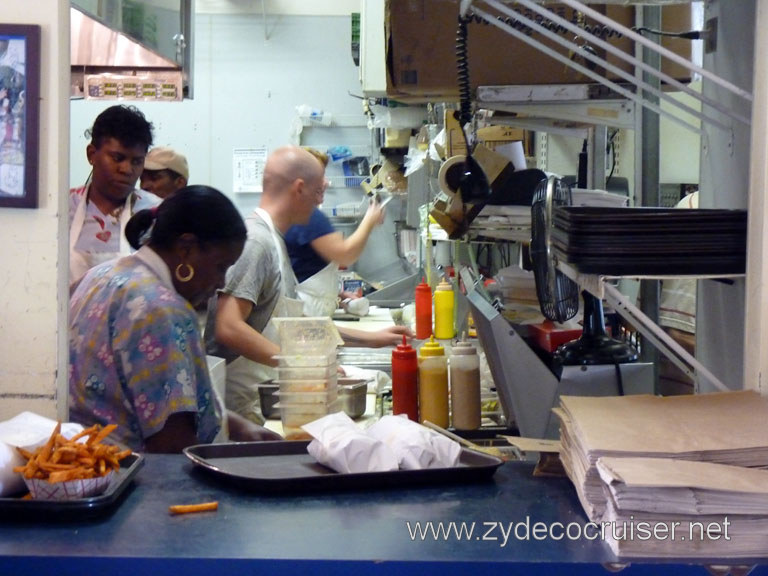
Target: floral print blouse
(136,354)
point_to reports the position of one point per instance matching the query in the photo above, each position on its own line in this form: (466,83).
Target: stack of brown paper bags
(724,427)
(678,508)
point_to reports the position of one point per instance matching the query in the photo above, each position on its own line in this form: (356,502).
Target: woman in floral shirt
(136,354)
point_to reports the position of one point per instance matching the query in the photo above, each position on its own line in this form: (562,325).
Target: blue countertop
(356,532)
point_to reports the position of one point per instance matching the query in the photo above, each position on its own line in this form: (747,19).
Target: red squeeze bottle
(423,304)
(405,381)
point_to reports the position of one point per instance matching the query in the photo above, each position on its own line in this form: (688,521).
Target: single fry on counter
(192,508)
(81,457)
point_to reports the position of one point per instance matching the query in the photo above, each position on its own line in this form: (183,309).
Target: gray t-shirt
(255,277)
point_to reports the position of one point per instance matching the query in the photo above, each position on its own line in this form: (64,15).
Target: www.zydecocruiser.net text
(528,530)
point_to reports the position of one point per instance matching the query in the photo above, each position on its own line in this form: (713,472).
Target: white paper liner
(29,431)
(43,490)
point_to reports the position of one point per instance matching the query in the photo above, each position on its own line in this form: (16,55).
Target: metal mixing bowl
(352,394)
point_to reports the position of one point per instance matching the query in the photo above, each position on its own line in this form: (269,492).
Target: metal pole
(599,142)
(756,307)
(649,168)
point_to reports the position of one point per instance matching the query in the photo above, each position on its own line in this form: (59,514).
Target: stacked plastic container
(306,373)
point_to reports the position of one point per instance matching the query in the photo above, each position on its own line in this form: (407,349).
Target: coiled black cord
(462,66)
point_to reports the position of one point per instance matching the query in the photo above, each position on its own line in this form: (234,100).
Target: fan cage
(558,295)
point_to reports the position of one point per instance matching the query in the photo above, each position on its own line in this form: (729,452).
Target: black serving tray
(650,241)
(648,244)
(611,264)
(79,509)
(287,468)
(649,220)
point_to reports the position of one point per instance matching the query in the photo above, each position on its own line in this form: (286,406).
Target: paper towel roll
(450,174)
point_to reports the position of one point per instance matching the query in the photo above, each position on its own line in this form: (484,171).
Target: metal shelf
(637,86)
(619,2)
(335,121)
(601,287)
(555,108)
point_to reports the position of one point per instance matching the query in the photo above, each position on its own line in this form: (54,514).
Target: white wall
(679,147)
(33,343)
(303,7)
(250,74)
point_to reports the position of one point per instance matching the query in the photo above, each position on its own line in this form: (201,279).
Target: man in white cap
(165,171)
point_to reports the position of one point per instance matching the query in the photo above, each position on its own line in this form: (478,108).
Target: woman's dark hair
(126,124)
(199,210)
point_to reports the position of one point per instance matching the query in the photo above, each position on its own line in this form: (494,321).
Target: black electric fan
(558,295)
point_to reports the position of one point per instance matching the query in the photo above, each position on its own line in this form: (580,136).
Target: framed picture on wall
(19,115)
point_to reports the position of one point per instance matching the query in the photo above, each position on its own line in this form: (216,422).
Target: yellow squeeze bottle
(444,311)
(433,383)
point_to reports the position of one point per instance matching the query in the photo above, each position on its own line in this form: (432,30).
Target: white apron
(245,375)
(320,292)
(81,262)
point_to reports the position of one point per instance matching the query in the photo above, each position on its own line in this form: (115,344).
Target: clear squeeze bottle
(405,381)
(465,386)
(444,311)
(433,383)
(423,305)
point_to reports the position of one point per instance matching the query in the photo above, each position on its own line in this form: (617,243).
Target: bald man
(261,285)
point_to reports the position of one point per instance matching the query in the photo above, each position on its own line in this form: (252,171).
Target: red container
(548,338)
(405,381)
(423,304)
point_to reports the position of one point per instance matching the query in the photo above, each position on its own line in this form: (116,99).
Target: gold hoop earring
(186,277)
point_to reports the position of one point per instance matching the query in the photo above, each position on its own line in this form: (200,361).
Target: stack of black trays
(650,241)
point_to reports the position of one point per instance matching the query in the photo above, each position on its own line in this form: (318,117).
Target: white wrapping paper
(415,446)
(339,444)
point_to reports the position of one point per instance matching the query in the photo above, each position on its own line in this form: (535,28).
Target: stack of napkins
(723,427)
(503,222)
(662,507)
(587,197)
(392,443)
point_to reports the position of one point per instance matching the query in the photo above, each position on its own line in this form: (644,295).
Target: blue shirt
(304,260)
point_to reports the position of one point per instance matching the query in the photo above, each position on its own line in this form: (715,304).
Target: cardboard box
(421,48)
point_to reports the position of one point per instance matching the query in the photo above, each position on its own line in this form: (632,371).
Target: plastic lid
(444,285)
(463,348)
(403,350)
(423,285)
(432,348)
